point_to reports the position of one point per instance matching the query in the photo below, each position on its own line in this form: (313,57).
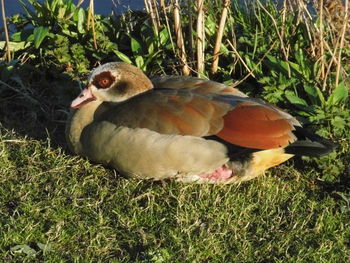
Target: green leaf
(164,36)
(315,94)
(135,47)
(80,18)
(69,33)
(294,99)
(15,46)
(338,122)
(23,249)
(140,62)
(122,56)
(39,35)
(44,247)
(339,95)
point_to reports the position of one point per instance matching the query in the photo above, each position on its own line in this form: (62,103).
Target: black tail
(309,144)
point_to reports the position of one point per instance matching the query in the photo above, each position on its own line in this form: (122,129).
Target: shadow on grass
(35,104)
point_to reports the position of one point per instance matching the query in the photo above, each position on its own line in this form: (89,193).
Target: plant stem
(345,22)
(321,42)
(151,10)
(8,53)
(219,35)
(200,38)
(162,6)
(92,20)
(179,38)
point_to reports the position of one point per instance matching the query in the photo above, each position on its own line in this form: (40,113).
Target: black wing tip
(310,148)
(310,144)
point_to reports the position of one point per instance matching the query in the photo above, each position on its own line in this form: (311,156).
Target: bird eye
(104,82)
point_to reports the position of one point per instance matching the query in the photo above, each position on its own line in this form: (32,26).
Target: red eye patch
(103,80)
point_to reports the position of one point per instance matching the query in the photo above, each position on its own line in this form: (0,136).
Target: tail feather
(310,144)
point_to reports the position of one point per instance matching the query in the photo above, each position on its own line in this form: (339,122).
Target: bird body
(185,128)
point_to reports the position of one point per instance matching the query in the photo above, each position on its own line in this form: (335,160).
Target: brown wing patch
(180,112)
(256,126)
(197,85)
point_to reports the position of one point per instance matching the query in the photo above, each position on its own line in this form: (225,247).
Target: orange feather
(255,126)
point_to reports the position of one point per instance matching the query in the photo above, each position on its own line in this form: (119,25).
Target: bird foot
(220,173)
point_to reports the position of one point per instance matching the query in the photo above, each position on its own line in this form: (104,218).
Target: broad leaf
(39,35)
(294,99)
(135,47)
(122,56)
(339,95)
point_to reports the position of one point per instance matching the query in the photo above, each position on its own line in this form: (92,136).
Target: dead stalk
(200,37)
(321,43)
(8,52)
(250,73)
(162,6)
(190,30)
(79,3)
(240,58)
(150,8)
(284,50)
(341,45)
(180,39)
(219,35)
(91,19)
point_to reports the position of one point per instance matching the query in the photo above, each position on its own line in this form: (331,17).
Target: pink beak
(84,97)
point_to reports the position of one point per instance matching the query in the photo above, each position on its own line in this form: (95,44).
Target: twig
(250,73)
(285,53)
(179,38)
(8,53)
(79,3)
(200,37)
(20,92)
(219,35)
(240,58)
(162,6)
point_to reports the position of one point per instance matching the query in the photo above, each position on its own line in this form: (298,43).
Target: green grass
(56,207)
(65,209)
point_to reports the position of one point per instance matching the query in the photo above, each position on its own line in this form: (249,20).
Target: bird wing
(203,108)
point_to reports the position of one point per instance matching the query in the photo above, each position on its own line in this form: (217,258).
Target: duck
(183,128)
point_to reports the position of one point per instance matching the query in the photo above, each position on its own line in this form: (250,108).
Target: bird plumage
(184,128)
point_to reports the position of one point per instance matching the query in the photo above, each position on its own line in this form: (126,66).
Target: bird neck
(80,118)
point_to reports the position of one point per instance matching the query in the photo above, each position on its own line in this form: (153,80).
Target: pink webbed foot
(220,173)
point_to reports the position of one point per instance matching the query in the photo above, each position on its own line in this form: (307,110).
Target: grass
(60,208)
(56,207)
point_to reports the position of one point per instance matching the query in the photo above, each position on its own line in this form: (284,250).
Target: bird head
(113,82)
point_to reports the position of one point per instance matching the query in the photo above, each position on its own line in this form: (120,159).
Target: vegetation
(58,207)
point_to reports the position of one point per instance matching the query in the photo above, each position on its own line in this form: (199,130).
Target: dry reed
(8,52)
(219,36)
(200,38)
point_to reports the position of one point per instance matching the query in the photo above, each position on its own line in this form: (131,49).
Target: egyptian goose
(185,128)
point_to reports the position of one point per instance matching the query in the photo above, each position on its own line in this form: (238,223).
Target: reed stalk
(322,57)
(151,8)
(91,21)
(341,41)
(179,38)
(8,52)
(219,35)
(163,8)
(284,50)
(200,38)
(190,30)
